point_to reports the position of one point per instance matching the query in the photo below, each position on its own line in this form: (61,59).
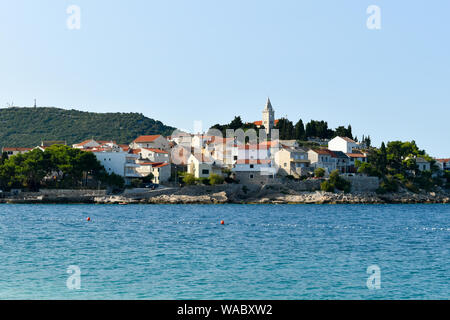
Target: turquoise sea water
(262,251)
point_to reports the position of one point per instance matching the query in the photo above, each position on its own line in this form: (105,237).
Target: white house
(343,144)
(154,155)
(161,170)
(423,164)
(154,141)
(202,166)
(443,164)
(254,152)
(121,163)
(15,151)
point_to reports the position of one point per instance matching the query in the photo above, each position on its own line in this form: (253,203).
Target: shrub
(319,172)
(189,179)
(216,179)
(327,186)
(204,181)
(338,182)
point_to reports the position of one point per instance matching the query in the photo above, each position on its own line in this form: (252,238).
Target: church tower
(268,120)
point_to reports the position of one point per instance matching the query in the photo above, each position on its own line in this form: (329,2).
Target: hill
(27,127)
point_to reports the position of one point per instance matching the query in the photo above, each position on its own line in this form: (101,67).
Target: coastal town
(210,158)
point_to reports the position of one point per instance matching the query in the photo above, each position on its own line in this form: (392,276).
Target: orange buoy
(88,219)
(222,222)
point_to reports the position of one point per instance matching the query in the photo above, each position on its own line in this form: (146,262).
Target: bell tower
(268,119)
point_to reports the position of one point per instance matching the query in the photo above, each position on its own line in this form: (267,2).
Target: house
(422,164)
(154,142)
(254,171)
(253,152)
(343,144)
(154,155)
(223,150)
(322,158)
(342,161)
(49,143)
(443,164)
(292,162)
(15,151)
(121,163)
(202,166)
(161,170)
(91,143)
(353,157)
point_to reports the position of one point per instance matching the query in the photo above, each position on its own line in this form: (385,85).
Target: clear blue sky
(180,61)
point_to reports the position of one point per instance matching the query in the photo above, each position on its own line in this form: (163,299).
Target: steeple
(268,117)
(268,105)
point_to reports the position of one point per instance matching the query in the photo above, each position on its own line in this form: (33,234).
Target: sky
(181,61)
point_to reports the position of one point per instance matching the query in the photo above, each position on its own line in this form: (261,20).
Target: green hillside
(27,127)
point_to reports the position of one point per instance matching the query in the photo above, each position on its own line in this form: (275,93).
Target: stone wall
(69,193)
(363,183)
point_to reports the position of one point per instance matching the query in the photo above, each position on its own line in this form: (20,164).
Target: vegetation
(188,179)
(299,131)
(335,182)
(319,172)
(27,127)
(396,166)
(58,167)
(215,179)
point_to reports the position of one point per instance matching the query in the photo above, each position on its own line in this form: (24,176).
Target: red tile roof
(155,150)
(147,138)
(259,123)
(443,160)
(348,139)
(253,161)
(17,149)
(356,155)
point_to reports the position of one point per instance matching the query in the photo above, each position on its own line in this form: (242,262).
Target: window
(235,157)
(205,171)
(251,176)
(285,164)
(252,166)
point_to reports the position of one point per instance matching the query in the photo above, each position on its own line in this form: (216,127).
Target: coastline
(227,194)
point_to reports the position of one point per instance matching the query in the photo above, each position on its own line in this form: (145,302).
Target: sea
(295,252)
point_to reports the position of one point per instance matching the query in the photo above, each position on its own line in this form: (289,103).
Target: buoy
(88,219)
(222,222)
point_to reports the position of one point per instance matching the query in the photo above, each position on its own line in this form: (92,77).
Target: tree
(286,129)
(319,172)
(236,123)
(189,179)
(215,179)
(149,178)
(299,130)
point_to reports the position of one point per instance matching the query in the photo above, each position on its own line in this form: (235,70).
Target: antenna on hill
(35,103)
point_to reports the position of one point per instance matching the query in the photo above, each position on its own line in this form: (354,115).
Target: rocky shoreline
(234,194)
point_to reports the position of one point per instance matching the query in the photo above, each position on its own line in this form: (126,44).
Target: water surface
(262,251)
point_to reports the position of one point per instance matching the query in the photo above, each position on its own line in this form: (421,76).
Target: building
(443,164)
(353,157)
(15,151)
(121,163)
(154,155)
(202,166)
(268,118)
(422,164)
(343,144)
(342,161)
(154,142)
(322,158)
(292,162)
(161,170)
(254,171)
